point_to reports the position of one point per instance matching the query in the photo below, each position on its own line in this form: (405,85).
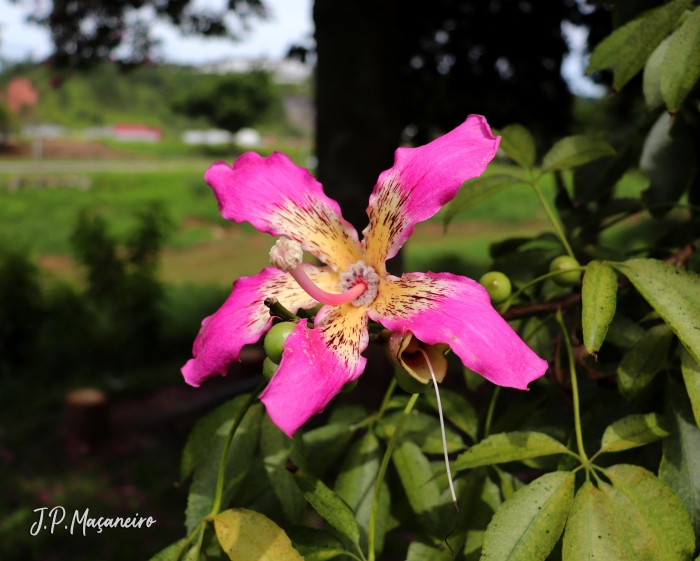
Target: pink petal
(316,364)
(446,308)
(244,318)
(278,197)
(421,181)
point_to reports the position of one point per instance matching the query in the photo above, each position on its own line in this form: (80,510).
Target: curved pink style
(322,296)
(280,198)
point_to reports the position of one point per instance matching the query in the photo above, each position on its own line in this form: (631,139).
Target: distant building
(211,137)
(136,133)
(247,138)
(283,71)
(21,95)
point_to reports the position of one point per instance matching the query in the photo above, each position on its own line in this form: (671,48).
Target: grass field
(39,210)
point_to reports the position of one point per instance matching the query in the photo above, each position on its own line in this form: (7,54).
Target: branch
(678,259)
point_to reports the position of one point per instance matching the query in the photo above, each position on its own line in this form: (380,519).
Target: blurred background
(111,246)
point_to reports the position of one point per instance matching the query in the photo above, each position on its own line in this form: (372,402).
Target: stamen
(442,427)
(321,295)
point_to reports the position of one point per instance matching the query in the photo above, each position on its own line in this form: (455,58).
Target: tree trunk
(358,125)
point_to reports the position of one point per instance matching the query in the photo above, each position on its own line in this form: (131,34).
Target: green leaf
(483,497)
(355,485)
(276,448)
(170,553)
(651,84)
(681,66)
(668,159)
(457,410)
(423,430)
(476,190)
(528,525)
(606,52)
(639,366)
(691,376)
(633,431)
(592,531)
(644,39)
(680,464)
(624,332)
(422,548)
(599,298)
(246,535)
(201,436)
(325,445)
(573,151)
(673,293)
(508,447)
(201,497)
(421,489)
(329,505)
(662,511)
(315,545)
(517,142)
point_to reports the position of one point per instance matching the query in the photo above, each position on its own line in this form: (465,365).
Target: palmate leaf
(639,366)
(680,463)
(691,376)
(508,447)
(315,545)
(657,511)
(476,190)
(246,535)
(644,39)
(355,485)
(573,151)
(651,84)
(673,293)
(632,431)
(483,497)
(528,525)
(606,52)
(421,429)
(276,448)
(457,410)
(422,548)
(170,553)
(329,505)
(201,497)
(517,142)
(681,66)
(592,532)
(599,299)
(420,487)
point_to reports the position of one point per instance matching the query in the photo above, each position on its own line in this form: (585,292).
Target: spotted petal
(244,318)
(421,181)
(278,197)
(316,364)
(446,308)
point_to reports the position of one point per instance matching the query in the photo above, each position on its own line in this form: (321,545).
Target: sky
(291,22)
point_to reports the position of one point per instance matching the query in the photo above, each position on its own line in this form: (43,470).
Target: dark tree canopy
(230,101)
(85,32)
(500,58)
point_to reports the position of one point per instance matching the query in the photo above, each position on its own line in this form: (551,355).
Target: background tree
(231,101)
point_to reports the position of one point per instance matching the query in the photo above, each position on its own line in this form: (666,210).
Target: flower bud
(402,350)
(286,254)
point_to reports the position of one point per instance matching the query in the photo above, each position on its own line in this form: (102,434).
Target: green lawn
(204,248)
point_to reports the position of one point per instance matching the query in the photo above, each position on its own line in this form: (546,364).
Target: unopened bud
(286,254)
(402,350)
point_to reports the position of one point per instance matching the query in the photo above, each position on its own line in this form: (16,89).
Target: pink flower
(282,199)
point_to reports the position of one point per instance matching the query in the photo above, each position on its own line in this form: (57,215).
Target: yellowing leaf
(246,535)
(599,299)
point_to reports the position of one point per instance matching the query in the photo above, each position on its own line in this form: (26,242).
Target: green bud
(497,285)
(269,368)
(565,264)
(275,338)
